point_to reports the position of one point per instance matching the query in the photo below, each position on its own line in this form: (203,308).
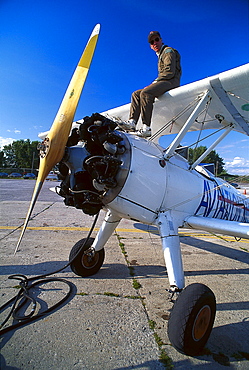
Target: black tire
(192,318)
(86,264)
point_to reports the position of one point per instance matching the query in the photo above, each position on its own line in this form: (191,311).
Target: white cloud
(237,166)
(15,131)
(235,145)
(5,141)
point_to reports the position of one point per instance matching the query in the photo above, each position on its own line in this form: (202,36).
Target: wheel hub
(201,323)
(89,258)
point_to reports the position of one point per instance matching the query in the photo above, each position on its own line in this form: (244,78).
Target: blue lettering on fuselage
(221,203)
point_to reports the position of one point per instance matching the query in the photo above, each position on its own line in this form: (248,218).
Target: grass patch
(152,324)
(221,359)
(136,285)
(166,360)
(159,340)
(163,357)
(244,249)
(133,297)
(109,294)
(123,250)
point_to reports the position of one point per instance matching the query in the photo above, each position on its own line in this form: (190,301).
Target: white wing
(229,101)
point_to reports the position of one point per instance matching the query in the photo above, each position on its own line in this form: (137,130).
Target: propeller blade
(53,147)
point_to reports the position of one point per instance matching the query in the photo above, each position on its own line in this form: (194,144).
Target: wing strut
(224,98)
(169,152)
(212,146)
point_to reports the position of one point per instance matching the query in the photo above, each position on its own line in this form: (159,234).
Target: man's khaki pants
(142,100)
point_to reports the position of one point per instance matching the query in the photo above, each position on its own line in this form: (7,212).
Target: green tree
(21,153)
(212,157)
(1,158)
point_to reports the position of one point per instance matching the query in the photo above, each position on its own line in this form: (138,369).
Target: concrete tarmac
(116,319)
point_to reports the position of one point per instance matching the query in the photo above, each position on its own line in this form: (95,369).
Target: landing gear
(192,318)
(88,262)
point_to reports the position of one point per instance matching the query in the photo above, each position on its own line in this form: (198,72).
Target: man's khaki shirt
(169,64)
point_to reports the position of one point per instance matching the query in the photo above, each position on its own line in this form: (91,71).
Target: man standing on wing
(169,73)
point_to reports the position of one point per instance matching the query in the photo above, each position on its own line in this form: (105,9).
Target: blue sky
(41,42)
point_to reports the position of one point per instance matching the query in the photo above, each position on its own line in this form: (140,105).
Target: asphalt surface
(116,319)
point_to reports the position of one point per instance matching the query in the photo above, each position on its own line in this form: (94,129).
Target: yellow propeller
(53,146)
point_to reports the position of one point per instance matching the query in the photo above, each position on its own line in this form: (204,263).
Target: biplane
(102,167)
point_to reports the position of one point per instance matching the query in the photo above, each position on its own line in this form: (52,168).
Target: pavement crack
(163,356)
(111,294)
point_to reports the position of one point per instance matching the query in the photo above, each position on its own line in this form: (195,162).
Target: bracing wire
(202,123)
(183,111)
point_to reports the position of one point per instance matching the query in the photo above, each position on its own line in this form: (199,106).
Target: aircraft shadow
(107,271)
(230,339)
(212,247)
(110,271)
(221,250)
(116,270)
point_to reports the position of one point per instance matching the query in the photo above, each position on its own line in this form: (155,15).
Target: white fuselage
(154,185)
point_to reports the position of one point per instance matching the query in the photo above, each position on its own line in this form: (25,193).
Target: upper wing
(229,102)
